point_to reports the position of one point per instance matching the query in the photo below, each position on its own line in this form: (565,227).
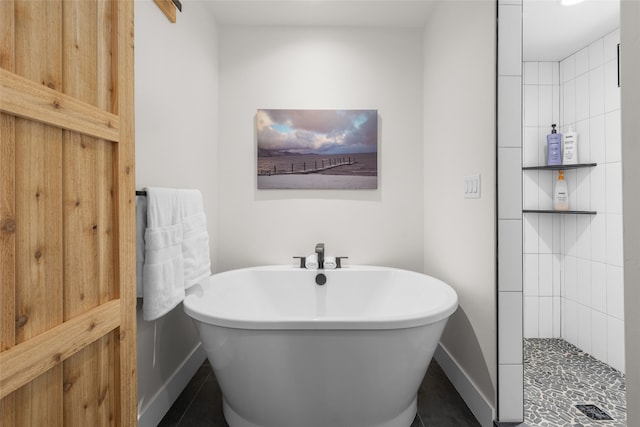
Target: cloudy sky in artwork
(318,131)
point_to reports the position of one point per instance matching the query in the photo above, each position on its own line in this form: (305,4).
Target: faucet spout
(320,254)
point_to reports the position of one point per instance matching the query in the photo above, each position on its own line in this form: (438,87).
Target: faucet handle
(339,261)
(303,261)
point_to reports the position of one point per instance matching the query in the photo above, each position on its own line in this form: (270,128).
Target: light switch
(472,186)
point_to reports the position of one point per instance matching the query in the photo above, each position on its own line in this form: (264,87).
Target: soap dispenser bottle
(561,194)
(570,147)
(554,147)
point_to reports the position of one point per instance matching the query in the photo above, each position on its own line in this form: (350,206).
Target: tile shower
(573,264)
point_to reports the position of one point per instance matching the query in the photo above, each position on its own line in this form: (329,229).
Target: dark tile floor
(200,404)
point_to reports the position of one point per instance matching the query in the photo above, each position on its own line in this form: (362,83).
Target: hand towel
(141,226)
(163,272)
(195,243)
(176,248)
(329,263)
(312,261)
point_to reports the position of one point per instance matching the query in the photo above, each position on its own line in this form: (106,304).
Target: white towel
(141,226)
(311,261)
(176,248)
(329,263)
(195,249)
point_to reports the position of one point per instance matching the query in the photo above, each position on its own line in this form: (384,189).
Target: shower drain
(593,412)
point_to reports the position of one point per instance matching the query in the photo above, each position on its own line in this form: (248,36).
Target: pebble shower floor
(559,376)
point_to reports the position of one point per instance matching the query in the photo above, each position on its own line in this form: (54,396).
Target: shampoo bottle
(570,147)
(561,194)
(554,147)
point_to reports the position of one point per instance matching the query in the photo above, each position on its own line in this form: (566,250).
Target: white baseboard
(475,400)
(157,407)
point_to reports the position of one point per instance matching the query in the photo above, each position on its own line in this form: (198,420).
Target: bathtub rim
(333,323)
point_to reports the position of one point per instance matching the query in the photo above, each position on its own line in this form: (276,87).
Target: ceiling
(351,13)
(551,32)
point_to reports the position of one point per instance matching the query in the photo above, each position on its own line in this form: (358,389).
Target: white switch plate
(472,187)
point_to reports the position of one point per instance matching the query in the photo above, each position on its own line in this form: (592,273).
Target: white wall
(630,96)
(573,271)
(460,139)
(176,130)
(321,68)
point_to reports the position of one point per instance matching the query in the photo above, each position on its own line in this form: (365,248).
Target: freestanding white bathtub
(290,353)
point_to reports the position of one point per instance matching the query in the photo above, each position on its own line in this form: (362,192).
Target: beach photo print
(317,149)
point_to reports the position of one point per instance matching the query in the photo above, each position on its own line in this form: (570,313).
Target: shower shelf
(560,168)
(559,212)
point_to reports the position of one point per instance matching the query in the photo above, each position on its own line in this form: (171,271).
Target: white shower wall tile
(557,313)
(613,172)
(509,111)
(509,40)
(582,61)
(556,103)
(570,177)
(599,340)
(545,234)
(584,282)
(545,194)
(530,273)
(567,69)
(597,138)
(545,73)
(614,240)
(558,242)
(531,147)
(530,233)
(545,104)
(545,275)
(584,141)
(510,255)
(582,98)
(570,283)
(615,344)
(596,53)
(511,384)
(570,237)
(583,236)
(530,105)
(611,41)
(599,286)
(584,328)
(530,316)
(545,317)
(510,183)
(530,189)
(598,188)
(613,136)
(569,102)
(530,73)
(615,291)
(510,334)
(570,321)
(583,189)
(611,88)
(595,91)
(557,274)
(599,238)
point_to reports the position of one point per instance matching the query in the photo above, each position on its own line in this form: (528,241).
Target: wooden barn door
(67,214)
